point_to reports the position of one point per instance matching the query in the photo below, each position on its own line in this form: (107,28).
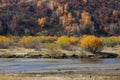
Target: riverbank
(76,52)
(59,47)
(64,76)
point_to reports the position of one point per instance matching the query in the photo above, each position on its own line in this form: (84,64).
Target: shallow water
(29,65)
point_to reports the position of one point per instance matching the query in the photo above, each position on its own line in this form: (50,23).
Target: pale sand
(64,76)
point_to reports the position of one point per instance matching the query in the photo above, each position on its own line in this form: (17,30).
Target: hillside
(59,17)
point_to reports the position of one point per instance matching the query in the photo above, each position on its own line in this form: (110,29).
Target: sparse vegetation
(33,42)
(111,41)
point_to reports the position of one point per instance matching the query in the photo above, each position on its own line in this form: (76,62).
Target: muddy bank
(20,52)
(58,77)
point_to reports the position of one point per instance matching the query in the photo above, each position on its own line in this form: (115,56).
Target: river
(40,65)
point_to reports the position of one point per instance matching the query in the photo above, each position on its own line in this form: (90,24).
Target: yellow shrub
(4,39)
(63,41)
(28,39)
(47,38)
(5,42)
(91,43)
(73,40)
(15,38)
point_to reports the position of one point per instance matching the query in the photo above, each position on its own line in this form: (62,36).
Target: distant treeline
(59,17)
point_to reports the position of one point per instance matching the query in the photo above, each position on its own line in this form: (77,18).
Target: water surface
(30,65)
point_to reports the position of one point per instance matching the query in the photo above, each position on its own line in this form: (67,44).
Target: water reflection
(90,60)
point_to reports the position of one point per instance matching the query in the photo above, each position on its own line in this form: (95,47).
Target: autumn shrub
(29,41)
(5,42)
(35,41)
(73,40)
(47,39)
(63,41)
(15,38)
(91,43)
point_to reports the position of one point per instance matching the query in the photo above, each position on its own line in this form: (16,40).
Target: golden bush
(73,40)
(47,38)
(5,41)
(63,41)
(28,39)
(15,39)
(91,43)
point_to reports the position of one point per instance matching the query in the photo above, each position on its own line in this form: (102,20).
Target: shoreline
(64,76)
(21,52)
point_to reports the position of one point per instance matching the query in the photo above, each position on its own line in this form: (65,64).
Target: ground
(107,52)
(64,76)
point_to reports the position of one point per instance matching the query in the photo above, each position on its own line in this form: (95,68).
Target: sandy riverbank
(14,52)
(64,76)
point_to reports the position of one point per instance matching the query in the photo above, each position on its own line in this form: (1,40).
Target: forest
(59,17)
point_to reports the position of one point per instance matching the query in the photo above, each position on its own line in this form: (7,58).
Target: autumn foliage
(30,39)
(91,43)
(63,41)
(66,41)
(73,40)
(5,41)
(87,42)
(59,17)
(41,22)
(85,18)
